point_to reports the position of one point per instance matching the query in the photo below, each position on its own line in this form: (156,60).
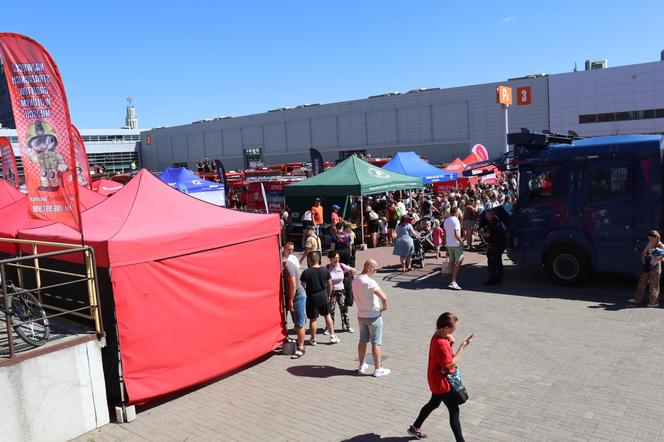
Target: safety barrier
(33,263)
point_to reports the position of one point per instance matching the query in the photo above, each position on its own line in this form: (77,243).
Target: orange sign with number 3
(523,95)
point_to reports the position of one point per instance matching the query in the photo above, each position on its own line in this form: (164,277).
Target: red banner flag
(41,113)
(9,169)
(82,166)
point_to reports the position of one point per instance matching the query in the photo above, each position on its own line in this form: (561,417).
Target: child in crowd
(383,230)
(437,235)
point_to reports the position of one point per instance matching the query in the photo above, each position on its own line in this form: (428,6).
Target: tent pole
(264,198)
(361,220)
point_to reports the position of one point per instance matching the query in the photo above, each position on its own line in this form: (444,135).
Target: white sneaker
(454,286)
(363,368)
(632,301)
(350,330)
(653,305)
(382,371)
(326,332)
(334,340)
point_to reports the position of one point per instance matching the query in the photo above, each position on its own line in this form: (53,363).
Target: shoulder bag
(457,388)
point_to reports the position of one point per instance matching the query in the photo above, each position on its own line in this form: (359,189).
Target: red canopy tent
(455,166)
(196,286)
(15,217)
(9,194)
(106,187)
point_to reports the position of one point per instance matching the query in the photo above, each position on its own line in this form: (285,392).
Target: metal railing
(31,262)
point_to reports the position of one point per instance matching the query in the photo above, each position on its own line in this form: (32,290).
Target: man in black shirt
(494,233)
(317,282)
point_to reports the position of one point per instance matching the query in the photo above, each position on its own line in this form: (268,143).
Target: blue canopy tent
(409,163)
(187,182)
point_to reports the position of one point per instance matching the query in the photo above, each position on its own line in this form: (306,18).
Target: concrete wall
(440,124)
(620,89)
(54,397)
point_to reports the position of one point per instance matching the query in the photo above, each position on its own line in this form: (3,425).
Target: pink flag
(9,168)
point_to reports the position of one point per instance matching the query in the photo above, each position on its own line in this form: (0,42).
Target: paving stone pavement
(547,364)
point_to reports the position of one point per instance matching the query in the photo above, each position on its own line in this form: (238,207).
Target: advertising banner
(43,124)
(270,193)
(461,183)
(82,165)
(480,152)
(221,171)
(9,169)
(317,165)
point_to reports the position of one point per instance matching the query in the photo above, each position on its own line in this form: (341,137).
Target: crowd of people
(449,223)
(416,222)
(411,222)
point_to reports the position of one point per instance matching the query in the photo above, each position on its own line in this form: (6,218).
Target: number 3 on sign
(523,95)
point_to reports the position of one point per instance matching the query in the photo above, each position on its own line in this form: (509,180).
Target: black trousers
(344,256)
(452,409)
(494,257)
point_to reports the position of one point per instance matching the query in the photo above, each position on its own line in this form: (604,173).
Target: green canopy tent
(353,177)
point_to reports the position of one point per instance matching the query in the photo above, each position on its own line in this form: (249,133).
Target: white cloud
(507,19)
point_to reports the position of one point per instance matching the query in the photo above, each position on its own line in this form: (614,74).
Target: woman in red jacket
(442,360)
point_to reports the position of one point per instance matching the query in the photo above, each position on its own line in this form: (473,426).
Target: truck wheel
(567,266)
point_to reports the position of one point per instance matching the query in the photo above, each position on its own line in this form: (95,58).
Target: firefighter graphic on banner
(41,113)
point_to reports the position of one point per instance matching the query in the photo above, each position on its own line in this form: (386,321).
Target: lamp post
(504,98)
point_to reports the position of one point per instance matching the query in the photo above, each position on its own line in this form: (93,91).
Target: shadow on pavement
(319,371)
(373,437)
(609,291)
(390,269)
(180,393)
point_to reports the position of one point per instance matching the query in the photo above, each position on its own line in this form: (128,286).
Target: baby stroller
(426,238)
(418,256)
(482,245)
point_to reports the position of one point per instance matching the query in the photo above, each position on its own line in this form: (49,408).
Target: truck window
(542,185)
(609,183)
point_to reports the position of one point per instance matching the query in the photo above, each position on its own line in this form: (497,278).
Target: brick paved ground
(547,363)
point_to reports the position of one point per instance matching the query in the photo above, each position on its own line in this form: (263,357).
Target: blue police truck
(584,205)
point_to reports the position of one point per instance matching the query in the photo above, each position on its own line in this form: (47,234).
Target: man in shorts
(312,243)
(452,227)
(317,282)
(371,301)
(297,296)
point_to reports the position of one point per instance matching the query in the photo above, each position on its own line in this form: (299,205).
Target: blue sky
(185,61)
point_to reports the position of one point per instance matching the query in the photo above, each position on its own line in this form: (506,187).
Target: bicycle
(27,316)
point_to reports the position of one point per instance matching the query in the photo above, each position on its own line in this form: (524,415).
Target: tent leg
(362,245)
(284,290)
(123,413)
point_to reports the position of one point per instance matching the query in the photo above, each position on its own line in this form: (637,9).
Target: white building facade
(437,123)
